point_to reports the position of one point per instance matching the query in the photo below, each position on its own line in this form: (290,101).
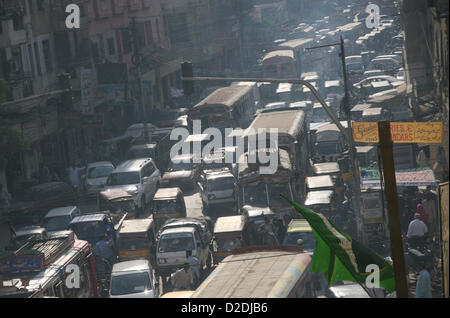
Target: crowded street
(224,149)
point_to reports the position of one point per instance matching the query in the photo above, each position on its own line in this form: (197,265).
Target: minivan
(139,177)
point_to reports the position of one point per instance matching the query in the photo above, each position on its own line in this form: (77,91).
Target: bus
(227,107)
(38,269)
(261,272)
(298,47)
(280,64)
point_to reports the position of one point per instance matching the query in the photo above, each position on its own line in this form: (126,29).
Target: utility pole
(136,60)
(390,183)
(353,161)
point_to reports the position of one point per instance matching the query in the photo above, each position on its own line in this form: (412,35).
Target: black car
(30,206)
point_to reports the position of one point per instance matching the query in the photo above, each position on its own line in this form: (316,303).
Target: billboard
(402,132)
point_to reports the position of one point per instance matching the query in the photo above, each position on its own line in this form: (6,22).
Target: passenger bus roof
(256,274)
(280,53)
(287,121)
(225,96)
(293,44)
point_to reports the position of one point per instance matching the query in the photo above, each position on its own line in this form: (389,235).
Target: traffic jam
(158,211)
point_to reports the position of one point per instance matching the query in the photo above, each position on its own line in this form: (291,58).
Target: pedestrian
(429,206)
(268,232)
(105,250)
(423,157)
(4,201)
(423,215)
(74,176)
(416,231)
(423,285)
(182,278)
(195,267)
(281,230)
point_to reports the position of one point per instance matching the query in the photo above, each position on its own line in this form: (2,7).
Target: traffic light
(187,71)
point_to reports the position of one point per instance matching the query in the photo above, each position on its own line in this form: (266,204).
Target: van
(138,177)
(132,279)
(58,219)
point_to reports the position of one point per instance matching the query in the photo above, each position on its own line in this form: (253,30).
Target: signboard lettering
(402,132)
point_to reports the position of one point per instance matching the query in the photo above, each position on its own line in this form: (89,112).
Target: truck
(176,237)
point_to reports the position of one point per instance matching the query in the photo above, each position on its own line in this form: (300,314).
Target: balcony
(10,9)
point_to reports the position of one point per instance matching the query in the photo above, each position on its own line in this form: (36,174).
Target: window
(148,27)
(111,47)
(47,56)
(40,5)
(30,6)
(30,55)
(38,59)
(126,40)
(17,23)
(157,30)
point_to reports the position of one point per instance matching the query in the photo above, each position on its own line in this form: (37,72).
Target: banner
(402,132)
(412,177)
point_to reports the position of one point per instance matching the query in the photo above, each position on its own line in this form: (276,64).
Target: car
(96,175)
(389,65)
(170,118)
(58,219)
(139,177)
(401,75)
(182,173)
(132,279)
(395,57)
(31,205)
(23,234)
(372,73)
(218,187)
(379,78)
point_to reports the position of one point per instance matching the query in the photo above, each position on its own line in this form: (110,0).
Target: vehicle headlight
(162,261)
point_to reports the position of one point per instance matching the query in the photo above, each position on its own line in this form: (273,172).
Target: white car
(372,73)
(139,177)
(132,279)
(379,78)
(96,175)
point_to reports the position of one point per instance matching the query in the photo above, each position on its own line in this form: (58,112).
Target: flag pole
(390,185)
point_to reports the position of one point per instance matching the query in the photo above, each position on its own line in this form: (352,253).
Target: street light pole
(353,161)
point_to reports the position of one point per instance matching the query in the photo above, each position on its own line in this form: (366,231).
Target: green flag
(339,257)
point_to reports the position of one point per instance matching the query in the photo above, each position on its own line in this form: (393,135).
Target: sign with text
(412,177)
(402,132)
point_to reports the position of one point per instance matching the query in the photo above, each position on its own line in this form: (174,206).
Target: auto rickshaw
(168,203)
(117,201)
(228,234)
(136,239)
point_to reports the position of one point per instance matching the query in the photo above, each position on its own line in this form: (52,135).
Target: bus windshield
(255,195)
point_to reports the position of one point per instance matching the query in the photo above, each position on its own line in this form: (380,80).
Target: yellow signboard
(402,132)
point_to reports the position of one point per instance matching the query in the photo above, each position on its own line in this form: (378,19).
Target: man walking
(182,278)
(416,231)
(195,267)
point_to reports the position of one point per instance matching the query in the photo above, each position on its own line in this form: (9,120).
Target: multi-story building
(425,28)
(27,51)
